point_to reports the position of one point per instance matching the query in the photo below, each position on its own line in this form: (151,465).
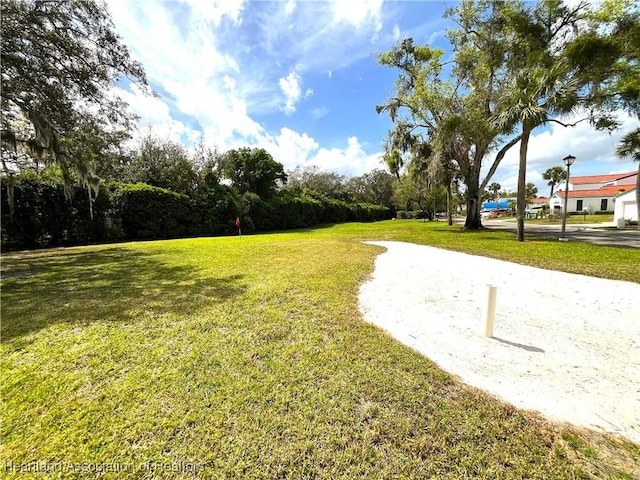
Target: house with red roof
(593,193)
(537,203)
(592,182)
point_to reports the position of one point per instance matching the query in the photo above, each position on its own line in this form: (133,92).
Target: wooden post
(490,311)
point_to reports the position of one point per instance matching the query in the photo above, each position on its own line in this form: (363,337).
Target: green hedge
(287,211)
(411,214)
(43,216)
(214,210)
(368,212)
(143,212)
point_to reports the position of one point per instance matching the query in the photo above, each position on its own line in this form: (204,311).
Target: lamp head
(568,160)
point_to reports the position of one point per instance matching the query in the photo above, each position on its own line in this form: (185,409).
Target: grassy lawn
(573,219)
(247,357)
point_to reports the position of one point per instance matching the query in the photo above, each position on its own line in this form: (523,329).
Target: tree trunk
(434,207)
(521,201)
(470,170)
(449,214)
(473,221)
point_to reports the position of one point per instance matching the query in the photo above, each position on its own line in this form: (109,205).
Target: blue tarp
(501,205)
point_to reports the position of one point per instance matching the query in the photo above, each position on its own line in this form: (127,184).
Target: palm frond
(629,146)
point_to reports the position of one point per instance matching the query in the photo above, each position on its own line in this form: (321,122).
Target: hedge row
(410,214)
(41,215)
(287,211)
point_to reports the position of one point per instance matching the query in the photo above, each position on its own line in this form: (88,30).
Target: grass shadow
(117,284)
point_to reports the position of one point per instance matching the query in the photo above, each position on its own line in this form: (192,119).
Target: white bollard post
(491,310)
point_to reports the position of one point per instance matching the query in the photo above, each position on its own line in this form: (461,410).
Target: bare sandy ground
(565,345)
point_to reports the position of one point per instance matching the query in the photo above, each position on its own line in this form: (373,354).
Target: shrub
(370,212)
(41,215)
(144,212)
(334,211)
(257,213)
(214,210)
(290,211)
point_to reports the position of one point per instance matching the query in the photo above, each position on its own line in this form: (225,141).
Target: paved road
(592,233)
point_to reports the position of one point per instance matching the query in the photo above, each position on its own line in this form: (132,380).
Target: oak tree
(60,60)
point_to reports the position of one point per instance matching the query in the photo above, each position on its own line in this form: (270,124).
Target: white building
(626,206)
(593,193)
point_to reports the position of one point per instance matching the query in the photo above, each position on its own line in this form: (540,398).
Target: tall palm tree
(495,188)
(534,97)
(555,175)
(530,192)
(629,146)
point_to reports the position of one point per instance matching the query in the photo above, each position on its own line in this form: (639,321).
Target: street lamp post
(568,161)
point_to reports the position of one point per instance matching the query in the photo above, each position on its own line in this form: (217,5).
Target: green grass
(246,357)
(573,219)
(544,252)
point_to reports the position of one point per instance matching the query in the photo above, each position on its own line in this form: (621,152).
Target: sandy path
(566,345)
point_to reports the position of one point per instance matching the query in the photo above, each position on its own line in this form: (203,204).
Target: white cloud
(155,114)
(189,53)
(322,35)
(214,10)
(291,88)
(359,13)
(289,7)
(294,149)
(349,161)
(290,147)
(320,112)
(197,80)
(396,33)
(435,36)
(229,82)
(215,78)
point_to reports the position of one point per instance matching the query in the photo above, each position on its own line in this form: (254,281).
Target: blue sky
(300,79)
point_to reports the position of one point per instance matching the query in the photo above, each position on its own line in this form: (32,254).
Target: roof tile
(612,177)
(609,191)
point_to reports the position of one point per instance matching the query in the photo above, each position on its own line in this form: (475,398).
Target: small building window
(603,204)
(578,205)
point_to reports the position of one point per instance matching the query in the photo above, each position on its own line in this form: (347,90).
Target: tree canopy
(162,163)
(311,177)
(445,110)
(59,61)
(554,175)
(253,170)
